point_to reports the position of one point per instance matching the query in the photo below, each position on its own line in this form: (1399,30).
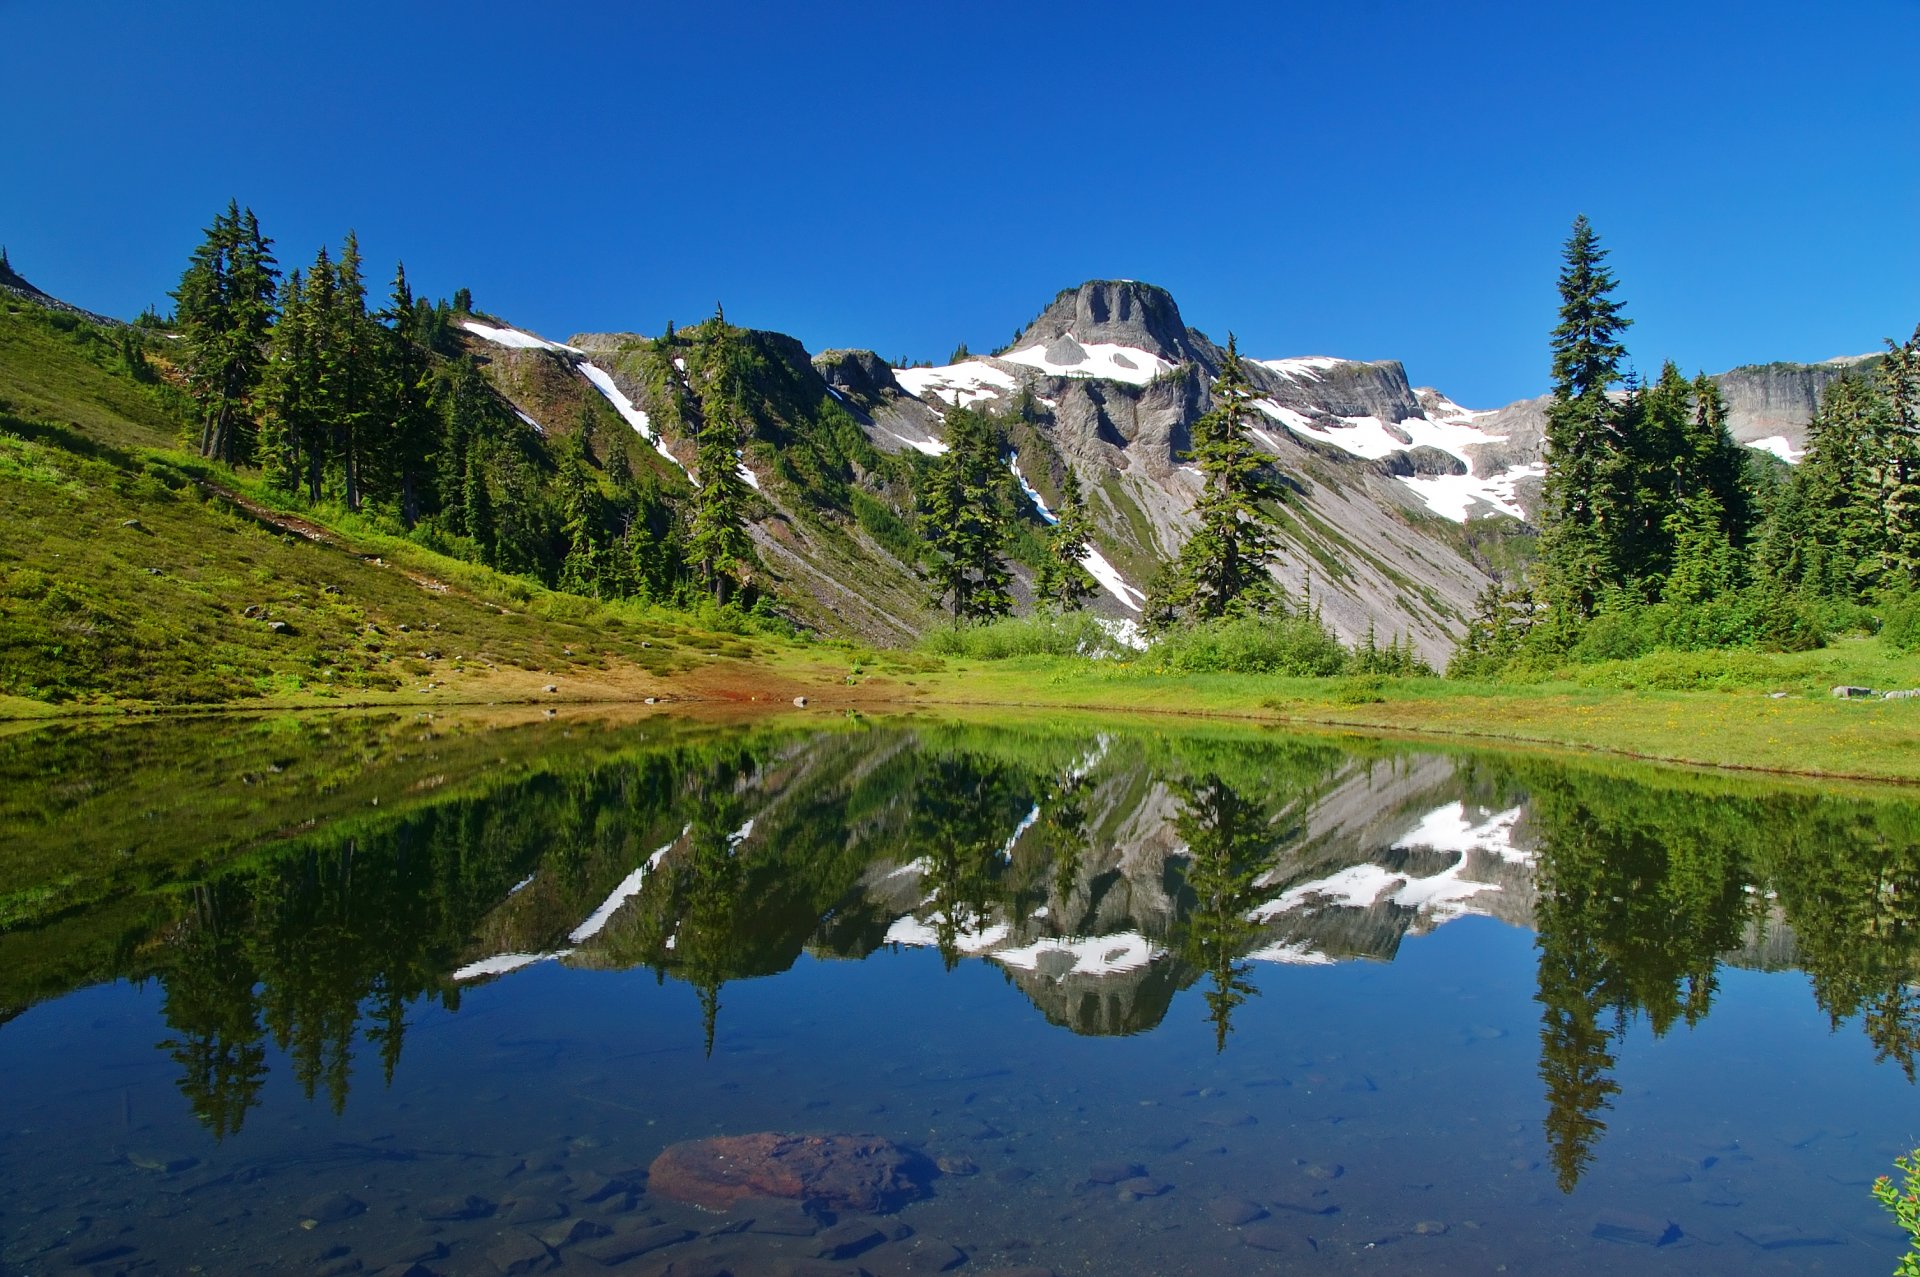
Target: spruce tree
(1899,462)
(407,376)
(1583,528)
(964,521)
(1224,566)
(1709,510)
(1063,581)
(354,398)
(1827,531)
(320,318)
(719,540)
(286,390)
(224,308)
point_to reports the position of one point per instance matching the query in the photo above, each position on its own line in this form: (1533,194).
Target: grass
(1805,732)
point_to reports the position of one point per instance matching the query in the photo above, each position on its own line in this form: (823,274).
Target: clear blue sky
(1371,180)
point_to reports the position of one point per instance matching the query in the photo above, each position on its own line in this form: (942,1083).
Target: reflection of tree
(1848,876)
(1063,824)
(964,808)
(218,1042)
(712,899)
(1640,891)
(1230,841)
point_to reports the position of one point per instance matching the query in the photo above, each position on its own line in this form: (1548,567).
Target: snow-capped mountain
(1399,501)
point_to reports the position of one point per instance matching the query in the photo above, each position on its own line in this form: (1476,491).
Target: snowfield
(961,384)
(1780,446)
(515,339)
(1103,361)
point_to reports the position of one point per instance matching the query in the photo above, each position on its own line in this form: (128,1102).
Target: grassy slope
(126,576)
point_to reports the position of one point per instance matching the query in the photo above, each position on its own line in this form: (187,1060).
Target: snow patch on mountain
(1039,505)
(516,339)
(1453,496)
(959,384)
(1099,360)
(1092,560)
(1780,446)
(629,412)
(1303,367)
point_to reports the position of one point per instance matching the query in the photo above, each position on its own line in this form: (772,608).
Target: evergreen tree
(1709,509)
(719,541)
(224,307)
(354,389)
(287,390)
(322,389)
(580,513)
(964,520)
(408,379)
(1582,526)
(1063,581)
(1224,567)
(1826,532)
(1899,462)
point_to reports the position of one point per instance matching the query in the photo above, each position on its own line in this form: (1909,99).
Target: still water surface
(395,993)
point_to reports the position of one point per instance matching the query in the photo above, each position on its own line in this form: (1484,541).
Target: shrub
(1297,645)
(1900,623)
(1042,634)
(1903,1203)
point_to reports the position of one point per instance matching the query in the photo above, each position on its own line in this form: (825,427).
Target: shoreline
(1738,733)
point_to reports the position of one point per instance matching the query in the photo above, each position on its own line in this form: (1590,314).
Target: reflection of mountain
(1358,856)
(1103,874)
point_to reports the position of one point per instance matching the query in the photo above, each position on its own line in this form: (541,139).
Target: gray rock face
(1423,460)
(1350,389)
(1778,400)
(1122,312)
(859,375)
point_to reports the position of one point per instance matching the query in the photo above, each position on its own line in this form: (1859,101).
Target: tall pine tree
(964,520)
(1224,567)
(1063,581)
(1583,528)
(719,541)
(224,308)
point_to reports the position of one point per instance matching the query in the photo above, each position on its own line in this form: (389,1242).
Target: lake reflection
(1324,998)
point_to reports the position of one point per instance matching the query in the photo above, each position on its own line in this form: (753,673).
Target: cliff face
(1776,401)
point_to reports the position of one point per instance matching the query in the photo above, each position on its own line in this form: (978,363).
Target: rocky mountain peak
(1118,312)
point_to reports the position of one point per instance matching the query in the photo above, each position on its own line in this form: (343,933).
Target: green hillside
(134,573)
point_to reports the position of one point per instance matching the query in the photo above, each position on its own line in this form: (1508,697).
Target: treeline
(1659,531)
(378,409)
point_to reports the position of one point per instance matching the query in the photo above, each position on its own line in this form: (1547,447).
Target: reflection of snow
(501,963)
(913,932)
(1090,956)
(1006,852)
(1297,955)
(1439,896)
(629,888)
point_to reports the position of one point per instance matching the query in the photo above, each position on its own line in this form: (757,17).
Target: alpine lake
(416,993)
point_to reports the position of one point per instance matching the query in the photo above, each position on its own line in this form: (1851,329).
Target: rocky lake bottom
(1380,1045)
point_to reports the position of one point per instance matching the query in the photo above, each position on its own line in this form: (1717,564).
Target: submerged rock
(839,1172)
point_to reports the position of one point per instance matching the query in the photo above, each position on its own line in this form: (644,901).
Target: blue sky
(1371,180)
